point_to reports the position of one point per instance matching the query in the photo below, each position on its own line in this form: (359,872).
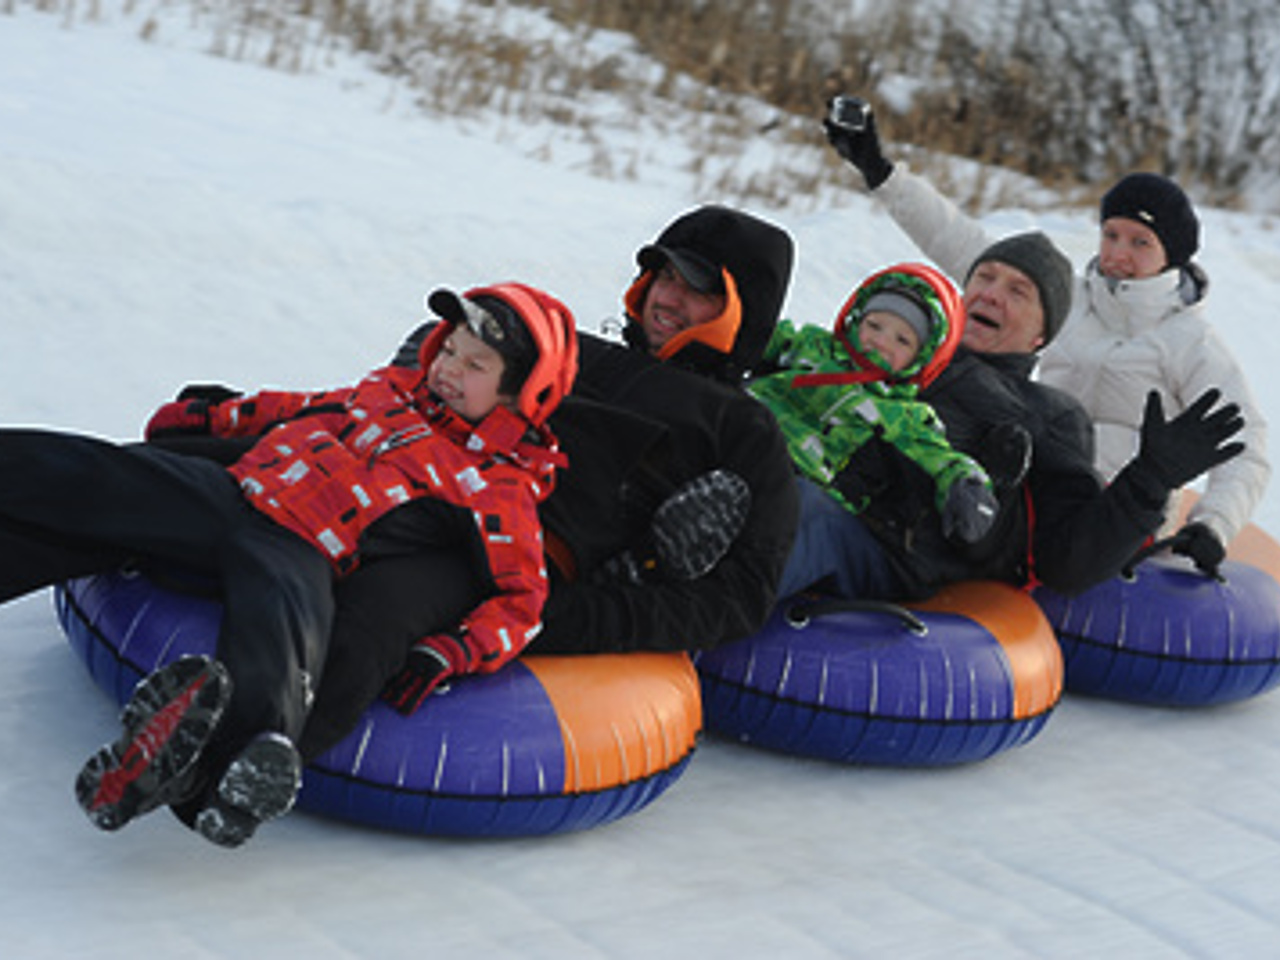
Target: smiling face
(466,373)
(1004,313)
(890,336)
(1129,250)
(671,305)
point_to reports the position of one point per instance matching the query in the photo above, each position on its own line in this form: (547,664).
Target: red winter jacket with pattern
(329,464)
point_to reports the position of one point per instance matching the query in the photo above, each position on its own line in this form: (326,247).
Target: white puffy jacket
(1125,338)
(1119,341)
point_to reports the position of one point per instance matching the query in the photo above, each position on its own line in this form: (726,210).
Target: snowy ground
(166,216)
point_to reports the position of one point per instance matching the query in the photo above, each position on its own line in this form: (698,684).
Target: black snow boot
(695,527)
(260,784)
(689,534)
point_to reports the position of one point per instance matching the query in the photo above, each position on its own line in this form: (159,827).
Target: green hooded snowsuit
(832,401)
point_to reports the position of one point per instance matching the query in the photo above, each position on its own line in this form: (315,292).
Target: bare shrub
(1064,93)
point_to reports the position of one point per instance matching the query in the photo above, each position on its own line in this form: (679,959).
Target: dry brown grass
(728,73)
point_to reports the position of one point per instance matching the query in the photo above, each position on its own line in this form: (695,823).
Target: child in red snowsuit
(452,456)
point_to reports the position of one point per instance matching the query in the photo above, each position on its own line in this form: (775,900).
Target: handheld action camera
(849,113)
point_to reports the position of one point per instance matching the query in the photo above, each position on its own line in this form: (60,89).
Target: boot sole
(167,723)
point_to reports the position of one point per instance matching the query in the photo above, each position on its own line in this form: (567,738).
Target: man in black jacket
(698,317)
(1061,527)
(644,420)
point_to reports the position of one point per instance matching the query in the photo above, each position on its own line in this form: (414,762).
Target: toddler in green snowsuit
(846,402)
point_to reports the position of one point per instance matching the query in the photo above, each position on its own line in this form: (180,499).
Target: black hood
(759,256)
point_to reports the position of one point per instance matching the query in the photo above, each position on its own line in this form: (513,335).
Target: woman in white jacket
(1136,324)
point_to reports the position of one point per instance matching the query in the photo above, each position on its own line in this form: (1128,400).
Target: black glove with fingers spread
(860,146)
(970,509)
(1202,545)
(1175,452)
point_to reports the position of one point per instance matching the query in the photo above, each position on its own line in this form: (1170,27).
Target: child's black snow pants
(73,505)
(383,608)
(417,577)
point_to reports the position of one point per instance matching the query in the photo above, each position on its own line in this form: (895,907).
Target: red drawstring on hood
(946,309)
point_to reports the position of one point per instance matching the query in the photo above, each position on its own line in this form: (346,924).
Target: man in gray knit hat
(1035,257)
(1068,532)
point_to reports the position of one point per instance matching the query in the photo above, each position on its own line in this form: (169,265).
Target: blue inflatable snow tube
(1169,636)
(545,745)
(971,673)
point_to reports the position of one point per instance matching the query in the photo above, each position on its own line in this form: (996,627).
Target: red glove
(425,669)
(178,418)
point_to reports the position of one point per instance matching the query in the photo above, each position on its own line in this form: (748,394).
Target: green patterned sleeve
(923,439)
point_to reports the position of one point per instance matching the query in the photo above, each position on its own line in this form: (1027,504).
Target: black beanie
(1160,204)
(1036,255)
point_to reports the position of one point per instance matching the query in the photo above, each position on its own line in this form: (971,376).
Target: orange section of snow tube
(1020,627)
(1256,547)
(623,717)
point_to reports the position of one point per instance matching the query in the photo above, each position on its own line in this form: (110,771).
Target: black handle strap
(801,610)
(1128,571)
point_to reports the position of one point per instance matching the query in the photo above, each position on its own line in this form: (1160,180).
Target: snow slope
(167,216)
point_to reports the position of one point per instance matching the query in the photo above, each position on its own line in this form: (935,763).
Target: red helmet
(935,355)
(550,326)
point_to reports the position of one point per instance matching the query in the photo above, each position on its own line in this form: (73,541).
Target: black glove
(690,533)
(424,670)
(1202,545)
(1006,455)
(631,567)
(211,393)
(861,148)
(970,509)
(1176,451)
